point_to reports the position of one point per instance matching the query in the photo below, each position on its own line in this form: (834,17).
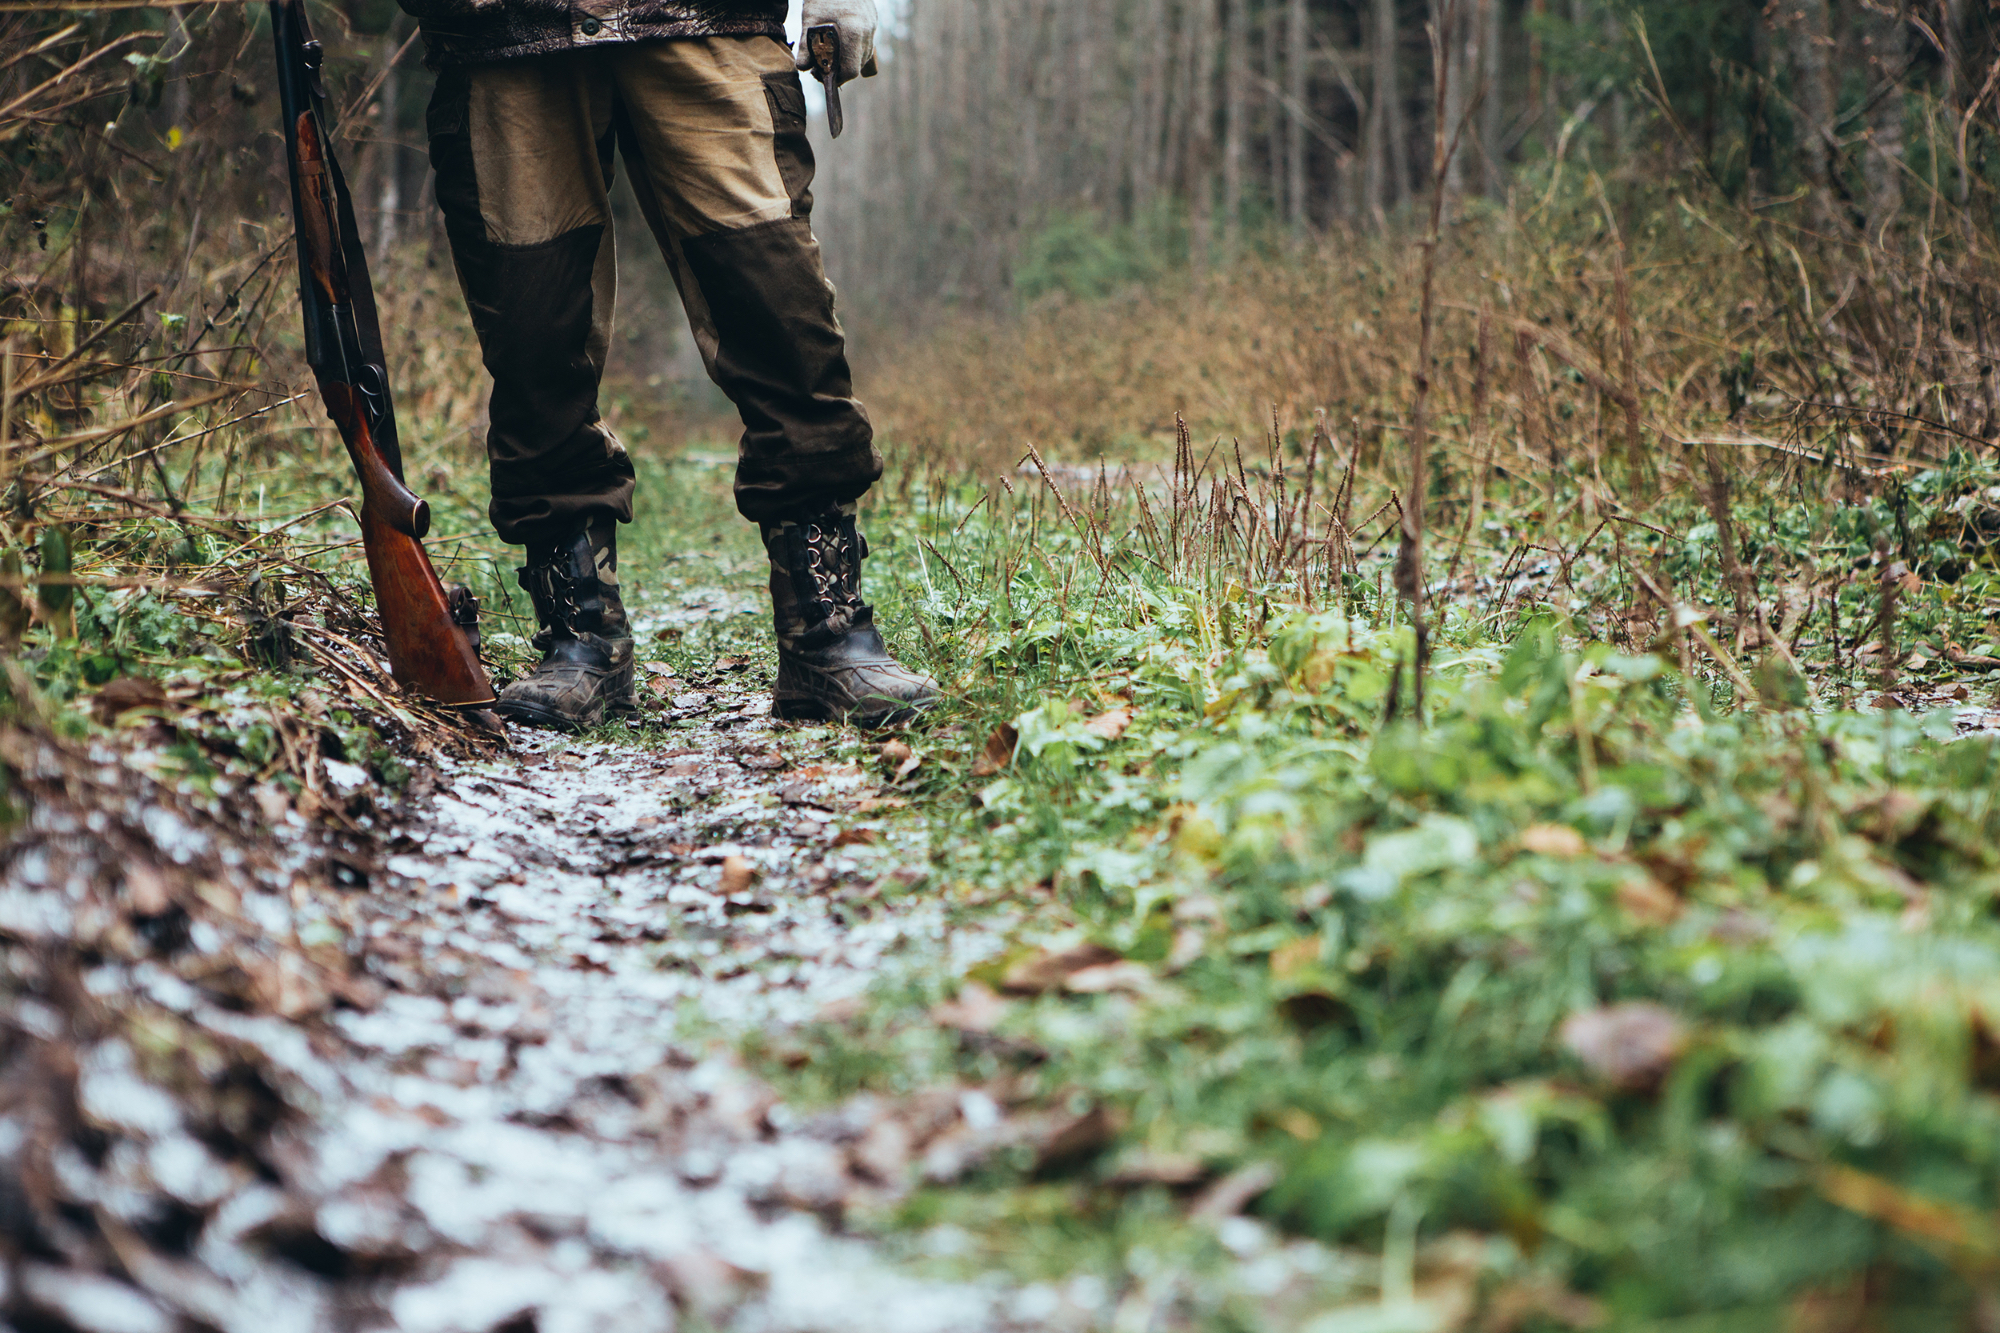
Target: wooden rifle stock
(429,629)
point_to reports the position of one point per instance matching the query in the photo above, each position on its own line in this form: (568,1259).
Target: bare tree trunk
(1298,57)
(1881,45)
(1149,130)
(1811,42)
(1619,106)
(1201,132)
(1456,46)
(387,226)
(1541,93)
(1491,122)
(1235,124)
(1388,179)
(1276,122)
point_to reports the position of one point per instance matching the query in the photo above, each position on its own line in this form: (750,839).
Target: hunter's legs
(523,152)
(715,138)
(714,135)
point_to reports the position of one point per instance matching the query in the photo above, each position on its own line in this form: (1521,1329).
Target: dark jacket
(468,32)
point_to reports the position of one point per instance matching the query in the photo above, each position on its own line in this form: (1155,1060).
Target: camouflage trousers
(713,133)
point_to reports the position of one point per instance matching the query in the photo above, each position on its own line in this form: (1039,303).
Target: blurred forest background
(1024,146)
(1022,151)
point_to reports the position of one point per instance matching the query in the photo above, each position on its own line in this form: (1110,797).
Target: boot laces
(555,580)
(830,565)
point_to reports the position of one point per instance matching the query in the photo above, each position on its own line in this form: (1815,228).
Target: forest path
(569,934)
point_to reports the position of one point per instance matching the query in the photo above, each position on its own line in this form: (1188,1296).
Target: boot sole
(813,710)
(533,715)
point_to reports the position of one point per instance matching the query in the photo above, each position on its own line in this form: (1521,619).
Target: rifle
(431,631)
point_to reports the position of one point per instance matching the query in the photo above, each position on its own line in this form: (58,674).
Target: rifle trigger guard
(313,54)
(372,383)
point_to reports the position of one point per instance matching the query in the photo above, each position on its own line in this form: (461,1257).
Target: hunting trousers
(713,131)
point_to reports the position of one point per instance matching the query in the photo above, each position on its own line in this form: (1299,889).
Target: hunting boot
(832,663)
(586,668)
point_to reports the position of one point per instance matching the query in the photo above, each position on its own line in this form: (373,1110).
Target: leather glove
(855,20)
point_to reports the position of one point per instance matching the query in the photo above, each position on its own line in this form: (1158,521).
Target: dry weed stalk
(1717,496)
(142,405)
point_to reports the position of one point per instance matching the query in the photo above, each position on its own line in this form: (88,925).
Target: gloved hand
(856,21)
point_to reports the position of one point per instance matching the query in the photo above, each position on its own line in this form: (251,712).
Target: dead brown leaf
(1073,1136)
(1111,724)
(1553,840)
(1526,1304)
(1044,971)
(1145,1167)
(899,759)
(737,874)
(1958,657)
(855,837)
(1124,975)
(883,1153)
(118,697)
(1648,900)
(976,1008)
(843,1010)
(147,890)
(1234,1192)
(1629,1045)
(998,751)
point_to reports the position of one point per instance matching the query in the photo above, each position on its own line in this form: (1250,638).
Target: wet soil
(515,1104)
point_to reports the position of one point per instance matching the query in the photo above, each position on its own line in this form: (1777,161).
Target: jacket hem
(442,51)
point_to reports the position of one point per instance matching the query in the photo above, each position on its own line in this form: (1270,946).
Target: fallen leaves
(1047,970)
(899,760)
(1234,1192)
(1145,1167)
(116,698)
(976,1008)
(1630,1046)
(1958,657)
(1111,724)
(1648,901)
(737,875)
(1104,978)
(998,751)
(1553,840)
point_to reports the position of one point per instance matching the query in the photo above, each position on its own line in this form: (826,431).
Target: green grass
(1365,935)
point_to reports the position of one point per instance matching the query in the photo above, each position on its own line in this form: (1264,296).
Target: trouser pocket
(788,134)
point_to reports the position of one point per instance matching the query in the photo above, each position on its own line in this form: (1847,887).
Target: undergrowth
(1674,994)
